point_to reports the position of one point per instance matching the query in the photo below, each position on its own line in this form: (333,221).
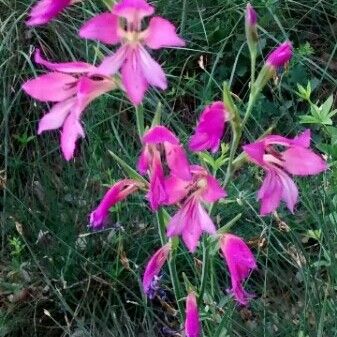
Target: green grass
(59,279)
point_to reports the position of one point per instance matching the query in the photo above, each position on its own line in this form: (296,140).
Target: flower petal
(103,28)
(46,10)
(192,321)
(240,262)
(303,139)
(144,160)
(205,221)
(89,89)
(255,152)
(213,191)
(301,161)
(154,266)
(54,119)
(270,193)
(177,161)
(116,193)
(157,194)
(133,9)
(63,67)
(72,130)
(289,190)
(51,87)
(133,78)
(210,128)
(158,135)
(176,189)
(152,71)
(111,64)
(162,33)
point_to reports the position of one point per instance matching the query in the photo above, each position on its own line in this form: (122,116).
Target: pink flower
(117,192)
(46,10)
(251,16)
(192,321)
(156,141)
(210,128)
(154,266)
(240,262)
(72,90)
(296,159)
(192,219)
(124,25)
(281,55)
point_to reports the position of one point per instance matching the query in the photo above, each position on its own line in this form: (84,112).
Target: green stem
(171,263)
(254,93)
(204,271)
(140,120)
(252,67)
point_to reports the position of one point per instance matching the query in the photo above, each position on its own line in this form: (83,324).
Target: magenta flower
(281,55)
(240,262)
(154,266)
(192,321)
(296,159)
(192,219)
(117,192)
(156,141)
(250,16)
(210,128)
(72,90)
(124,25)
(46,10)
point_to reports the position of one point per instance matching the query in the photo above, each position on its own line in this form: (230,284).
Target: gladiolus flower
(157,140)
(46,10)
(280,56)
(69,86)
(192,219)
(138,68)
(192,321)
(118,192)
(210,128)
(297,159)
(240,262)
(154,266)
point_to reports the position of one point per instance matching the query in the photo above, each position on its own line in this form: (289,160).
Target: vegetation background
(59,279)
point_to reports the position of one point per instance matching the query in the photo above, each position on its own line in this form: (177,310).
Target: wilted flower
(154,266)
(117,192)
(296,159)
(281,55)
(156,141)
(71,94)
(192,219)
(192,321)
(46,10)
(124,25)
(240,262)
(210,128)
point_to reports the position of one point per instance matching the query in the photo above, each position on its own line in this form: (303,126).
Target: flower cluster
(172,180)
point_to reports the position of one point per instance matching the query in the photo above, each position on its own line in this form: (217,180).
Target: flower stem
(205,268)
(140,120)
(171,262)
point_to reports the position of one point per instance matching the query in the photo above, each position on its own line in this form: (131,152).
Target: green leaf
(305,119)
(326,106)
(127,168)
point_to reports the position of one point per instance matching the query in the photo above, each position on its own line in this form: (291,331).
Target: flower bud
(281,55)
(251,31)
